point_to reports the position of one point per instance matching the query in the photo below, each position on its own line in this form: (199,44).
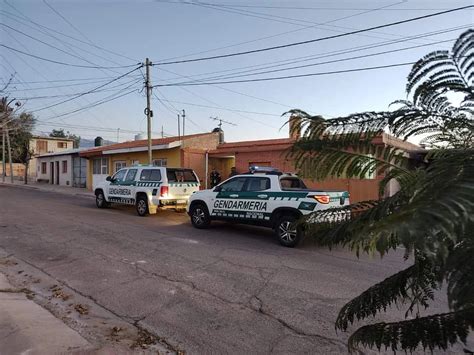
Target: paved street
(229,289)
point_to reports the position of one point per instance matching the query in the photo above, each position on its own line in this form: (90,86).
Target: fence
(18,169)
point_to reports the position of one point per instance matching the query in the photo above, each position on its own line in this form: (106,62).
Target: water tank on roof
(221,134)
(98,141)
(139,137)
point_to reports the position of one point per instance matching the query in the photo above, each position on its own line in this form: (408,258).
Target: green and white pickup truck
(148,188)
(263,197)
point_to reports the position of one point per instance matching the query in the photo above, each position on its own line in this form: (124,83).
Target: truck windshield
(292,183)
(181,175)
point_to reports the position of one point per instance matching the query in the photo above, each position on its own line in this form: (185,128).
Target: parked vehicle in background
(265,197)
(149,188)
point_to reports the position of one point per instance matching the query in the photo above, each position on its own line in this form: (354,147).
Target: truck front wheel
(286,231)
(100,200)
(199,216)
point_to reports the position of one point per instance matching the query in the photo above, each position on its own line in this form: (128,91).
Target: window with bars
(160,162)
(100,166)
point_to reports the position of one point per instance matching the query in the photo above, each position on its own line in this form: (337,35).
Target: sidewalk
(27,328)
(77,191)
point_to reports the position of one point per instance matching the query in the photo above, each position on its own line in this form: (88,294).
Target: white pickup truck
(148,188)
(263,197)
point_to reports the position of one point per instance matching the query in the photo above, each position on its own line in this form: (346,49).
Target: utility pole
(179,127)
(184,119)
(162,132)
(148,111)
(118,135)
(4,164)
(9,155)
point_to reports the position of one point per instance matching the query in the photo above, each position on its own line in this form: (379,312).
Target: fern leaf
(430,332)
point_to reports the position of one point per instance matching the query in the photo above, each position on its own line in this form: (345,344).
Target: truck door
(115,192)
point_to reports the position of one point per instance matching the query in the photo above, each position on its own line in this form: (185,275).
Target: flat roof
(53,138)
(62,152)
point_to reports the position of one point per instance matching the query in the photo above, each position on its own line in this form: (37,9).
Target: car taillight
(322,198)
(164,191)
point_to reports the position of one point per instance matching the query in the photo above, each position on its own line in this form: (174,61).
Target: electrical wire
(291,76)
(284,33)
(135,81)
(58,86)
(323,63)
(315,39)
(94,104)
(302,7)
(64,63)
(306,58)
(67,36)
(89,91)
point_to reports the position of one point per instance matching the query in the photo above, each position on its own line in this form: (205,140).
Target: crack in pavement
(293,329)
(124,318)
(258,309)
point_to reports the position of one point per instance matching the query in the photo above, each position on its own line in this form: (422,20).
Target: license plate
(181,202)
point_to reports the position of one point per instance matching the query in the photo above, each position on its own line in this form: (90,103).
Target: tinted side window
(292,184)
(180,175)
(234,185)
(258,184)
(131,175)
(119,175)
(150,175)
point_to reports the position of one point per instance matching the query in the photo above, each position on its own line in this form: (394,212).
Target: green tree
(432,216)
(61,134)
(21,151)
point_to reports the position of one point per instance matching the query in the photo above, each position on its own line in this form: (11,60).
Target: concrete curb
(26,327)
(39,188)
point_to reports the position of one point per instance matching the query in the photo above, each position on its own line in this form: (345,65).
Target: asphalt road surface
(228,289)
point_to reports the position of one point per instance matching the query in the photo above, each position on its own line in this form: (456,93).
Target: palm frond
(413,285)
(430,332)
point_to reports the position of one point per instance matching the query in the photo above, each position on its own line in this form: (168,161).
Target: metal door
(79,166)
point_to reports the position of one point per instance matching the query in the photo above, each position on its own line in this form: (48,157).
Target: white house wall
(65,179)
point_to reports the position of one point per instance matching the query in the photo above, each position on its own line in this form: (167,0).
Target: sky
(118,35)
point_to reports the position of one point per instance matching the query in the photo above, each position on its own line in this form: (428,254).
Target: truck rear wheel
(286,231)
(199,216)
(142,206)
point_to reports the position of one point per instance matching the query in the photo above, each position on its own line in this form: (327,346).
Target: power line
(47,44)
(315,39)
(322,63)
(94,104)
(135,81)
(292,76)
(97,128)
(89,91)
(326,23)
(61,80)
(303,7)
(59,86)
(63,63)
(223,108)
(306,58)
(67,36)
(34,68)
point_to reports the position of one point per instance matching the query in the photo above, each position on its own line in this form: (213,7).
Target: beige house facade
(46,145)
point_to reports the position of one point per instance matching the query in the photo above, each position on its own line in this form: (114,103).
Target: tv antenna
(221,121)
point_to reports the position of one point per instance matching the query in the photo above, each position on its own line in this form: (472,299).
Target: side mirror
(108,178)
(217,189)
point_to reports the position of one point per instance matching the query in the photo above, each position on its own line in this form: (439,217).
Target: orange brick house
(186,151)
(273,152)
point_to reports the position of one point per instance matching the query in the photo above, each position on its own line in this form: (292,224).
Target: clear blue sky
(160,30)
